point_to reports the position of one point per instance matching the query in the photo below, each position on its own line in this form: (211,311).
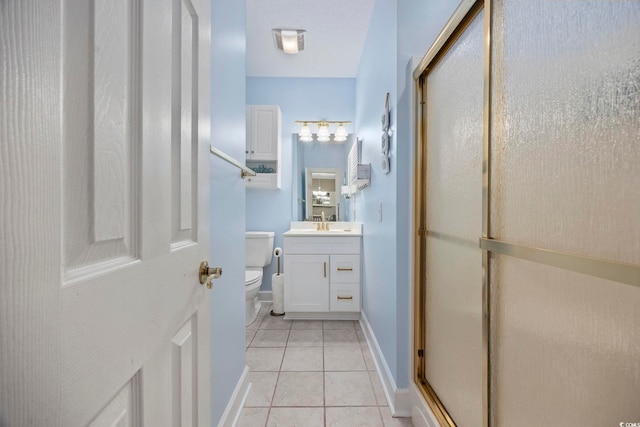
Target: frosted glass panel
(566,126)
(454,102)
(567,347)
(453,350)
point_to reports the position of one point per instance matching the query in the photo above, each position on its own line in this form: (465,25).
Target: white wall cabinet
(263,145)
(263,132)
(322,277)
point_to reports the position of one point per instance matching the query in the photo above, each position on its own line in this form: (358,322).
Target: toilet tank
(259,248)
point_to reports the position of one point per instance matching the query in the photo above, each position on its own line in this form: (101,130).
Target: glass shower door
(565,171)
(554,196)
(453,96)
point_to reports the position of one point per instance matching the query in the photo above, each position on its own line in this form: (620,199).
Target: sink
(308,232)
(337,229)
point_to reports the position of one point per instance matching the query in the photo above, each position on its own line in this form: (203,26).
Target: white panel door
(104,123)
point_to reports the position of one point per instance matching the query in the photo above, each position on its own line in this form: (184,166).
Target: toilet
(259,248)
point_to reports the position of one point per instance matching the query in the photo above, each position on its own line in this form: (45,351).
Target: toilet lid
(252,276)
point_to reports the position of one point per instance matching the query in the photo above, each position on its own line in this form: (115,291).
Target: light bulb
(305,134)
(341,134)
(323,132)
(289,41)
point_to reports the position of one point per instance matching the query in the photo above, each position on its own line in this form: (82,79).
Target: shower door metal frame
(466,12)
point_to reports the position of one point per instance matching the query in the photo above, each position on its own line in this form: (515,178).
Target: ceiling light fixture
(323,134)
(289,41)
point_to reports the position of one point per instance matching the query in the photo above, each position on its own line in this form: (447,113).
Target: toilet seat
(252,276)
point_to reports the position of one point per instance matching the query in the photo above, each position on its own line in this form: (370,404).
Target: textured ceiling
(336,32)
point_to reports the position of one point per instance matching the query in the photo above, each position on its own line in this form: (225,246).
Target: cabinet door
(306,283)
(265,132)
(263,180)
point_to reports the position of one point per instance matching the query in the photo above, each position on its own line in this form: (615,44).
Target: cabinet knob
(252,151)
(246,151)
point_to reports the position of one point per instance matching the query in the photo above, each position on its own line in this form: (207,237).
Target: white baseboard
(421,414)
(323,315)
(236,403)
(399,398)
(265,296)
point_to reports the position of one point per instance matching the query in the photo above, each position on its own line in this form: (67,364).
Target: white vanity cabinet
(322,277)
(262,150)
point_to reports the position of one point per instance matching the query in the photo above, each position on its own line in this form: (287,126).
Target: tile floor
(308,373)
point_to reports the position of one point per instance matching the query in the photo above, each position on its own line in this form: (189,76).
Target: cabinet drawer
(344,297)
(345,268)
(322,245)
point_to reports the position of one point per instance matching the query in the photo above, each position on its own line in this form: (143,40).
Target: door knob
(207,274)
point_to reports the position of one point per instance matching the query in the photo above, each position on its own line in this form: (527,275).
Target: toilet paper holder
(277,252)
(277,288)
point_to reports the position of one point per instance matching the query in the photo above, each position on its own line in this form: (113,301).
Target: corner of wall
(399,399)
(227,202)
(234,408)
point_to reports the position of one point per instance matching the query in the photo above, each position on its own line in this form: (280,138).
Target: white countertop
(336,229)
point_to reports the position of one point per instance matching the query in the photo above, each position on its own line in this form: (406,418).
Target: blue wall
(399,31)
(227,201)
(299,99)
(376,77)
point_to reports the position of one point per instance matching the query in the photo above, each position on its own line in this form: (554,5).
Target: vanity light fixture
(289,41)
(323,133)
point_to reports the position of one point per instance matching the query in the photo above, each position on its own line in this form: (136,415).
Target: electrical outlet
(379,211)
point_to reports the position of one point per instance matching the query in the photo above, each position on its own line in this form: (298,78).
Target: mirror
(322,194)
(319,158)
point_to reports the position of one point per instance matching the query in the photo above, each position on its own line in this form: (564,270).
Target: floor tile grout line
(333,345)
(324,381)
